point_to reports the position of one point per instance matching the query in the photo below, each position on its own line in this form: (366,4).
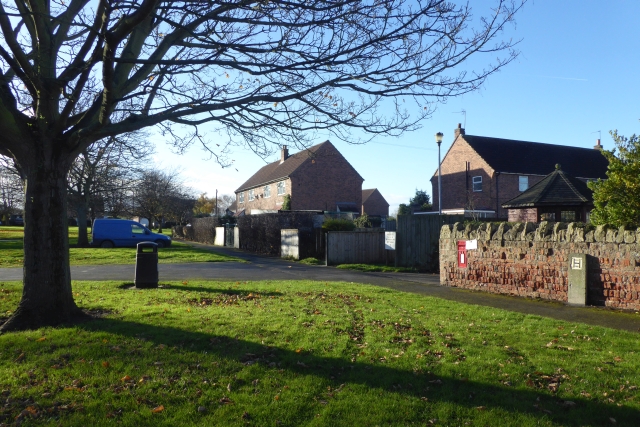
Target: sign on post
(390,240)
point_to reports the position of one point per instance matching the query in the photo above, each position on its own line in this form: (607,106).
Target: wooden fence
(417,239)
(355,247)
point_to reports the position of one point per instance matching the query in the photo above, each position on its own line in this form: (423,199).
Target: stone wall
(531,260)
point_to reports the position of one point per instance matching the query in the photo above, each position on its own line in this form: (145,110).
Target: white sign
(390,240)
(471,244)
(576,263)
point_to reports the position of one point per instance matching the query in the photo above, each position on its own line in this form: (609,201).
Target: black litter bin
(146,265)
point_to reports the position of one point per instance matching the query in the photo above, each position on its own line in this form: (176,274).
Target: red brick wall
(376,205)
(532,260)
(523,215)
(274,202)
(324,180)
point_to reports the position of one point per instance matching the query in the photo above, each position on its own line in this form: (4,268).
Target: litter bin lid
(143,245)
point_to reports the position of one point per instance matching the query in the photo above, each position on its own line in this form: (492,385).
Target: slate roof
(535,158)
(555,189)
(367,193)
(277,171)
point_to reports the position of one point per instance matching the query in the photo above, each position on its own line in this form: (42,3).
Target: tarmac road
(268,268)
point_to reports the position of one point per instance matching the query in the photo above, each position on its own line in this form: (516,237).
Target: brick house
(373,204)
(480,173)
(318,178)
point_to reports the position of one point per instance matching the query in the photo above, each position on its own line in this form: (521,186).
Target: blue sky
(577,74)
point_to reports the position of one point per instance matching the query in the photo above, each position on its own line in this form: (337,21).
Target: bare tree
(99,171)
(11,189)
(162,196)
(260,72)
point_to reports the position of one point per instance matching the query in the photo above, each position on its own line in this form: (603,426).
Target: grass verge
(376,268)
(11,252)
(312,354)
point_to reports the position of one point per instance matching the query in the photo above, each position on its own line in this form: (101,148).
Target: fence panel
(417,239)
(355,247)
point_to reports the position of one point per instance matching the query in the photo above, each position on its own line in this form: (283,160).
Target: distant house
(558,197)
(374,204)
(318,178)
(481,173)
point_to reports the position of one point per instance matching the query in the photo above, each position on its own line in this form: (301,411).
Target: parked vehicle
(16,220)
(109,233)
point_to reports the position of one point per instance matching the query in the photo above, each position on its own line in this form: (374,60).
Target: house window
(267,191)
(547,216)
(241,197)
(280,188)
(251,197)
(477,183)
(523,183)
(567,216)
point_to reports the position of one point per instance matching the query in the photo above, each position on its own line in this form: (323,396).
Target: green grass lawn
(310,354)
(11,253)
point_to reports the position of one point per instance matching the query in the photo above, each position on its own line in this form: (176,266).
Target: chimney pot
(598,146)
(458,131)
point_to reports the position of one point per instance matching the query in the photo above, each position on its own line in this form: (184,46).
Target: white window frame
(523,183)
(241,197)
(267,191)
(251,196)
(476,183)
(281,188)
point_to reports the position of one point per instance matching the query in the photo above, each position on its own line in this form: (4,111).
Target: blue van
(110,233)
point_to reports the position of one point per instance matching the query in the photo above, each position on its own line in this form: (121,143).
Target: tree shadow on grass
(167,286)
(456,391)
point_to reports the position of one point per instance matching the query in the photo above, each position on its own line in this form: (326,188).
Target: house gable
(373,203)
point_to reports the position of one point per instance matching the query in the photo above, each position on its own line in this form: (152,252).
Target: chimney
(597,146)
(284,154)
(458,131)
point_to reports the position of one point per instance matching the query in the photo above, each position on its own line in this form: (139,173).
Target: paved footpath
(269,268)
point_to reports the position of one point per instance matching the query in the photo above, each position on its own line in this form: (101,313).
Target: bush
(286,203)
(338,225)
(363,221)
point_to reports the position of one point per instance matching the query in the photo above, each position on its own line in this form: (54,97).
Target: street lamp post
(439,136)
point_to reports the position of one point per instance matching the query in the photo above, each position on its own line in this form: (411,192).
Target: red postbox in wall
(462,254)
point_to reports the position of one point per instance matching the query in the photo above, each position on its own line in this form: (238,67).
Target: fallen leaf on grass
(125,378)
(226,401)
(157,409)
(105,364)
(20,358)
(41,339)
(481,408)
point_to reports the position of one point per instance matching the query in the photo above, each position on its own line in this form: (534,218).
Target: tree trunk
(81,210)
(47,299)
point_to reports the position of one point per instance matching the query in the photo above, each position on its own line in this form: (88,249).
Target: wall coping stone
(539,232)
